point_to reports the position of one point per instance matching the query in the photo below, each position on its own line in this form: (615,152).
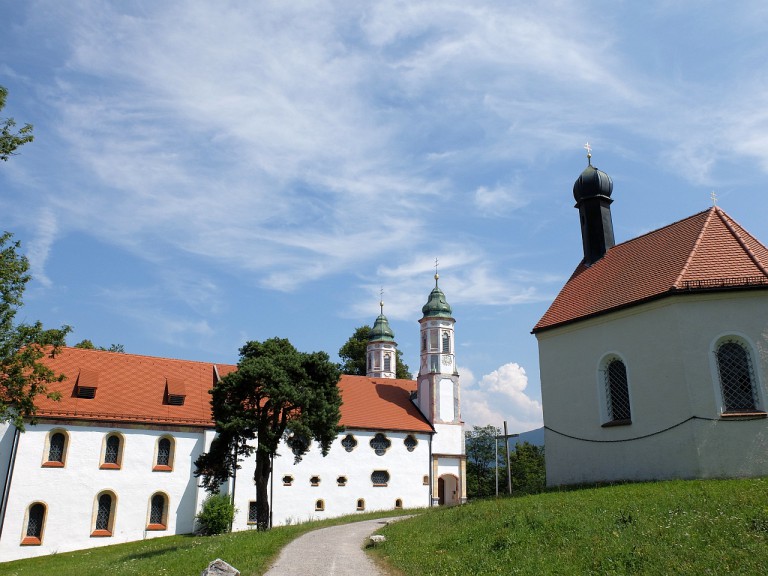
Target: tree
(10,140)
(481,469)
(353,355)
(89,345)
(276,392)
(527,466)
(22,346)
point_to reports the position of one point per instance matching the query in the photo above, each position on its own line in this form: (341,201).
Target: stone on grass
(220,568)
(378,539)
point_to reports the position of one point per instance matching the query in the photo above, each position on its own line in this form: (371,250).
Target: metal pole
(506,451)
(496,447)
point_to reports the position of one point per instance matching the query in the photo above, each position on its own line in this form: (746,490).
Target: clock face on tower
(446,360)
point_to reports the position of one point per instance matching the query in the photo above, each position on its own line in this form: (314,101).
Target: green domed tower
(382,349)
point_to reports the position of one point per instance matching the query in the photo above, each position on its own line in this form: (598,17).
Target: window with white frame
(446,343)
(387,362)
(616,390)
(738,385)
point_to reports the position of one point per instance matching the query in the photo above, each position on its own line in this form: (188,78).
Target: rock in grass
(220,568)
(378,539)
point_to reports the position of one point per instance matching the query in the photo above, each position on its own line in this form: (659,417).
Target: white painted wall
(296,503)
(69,492)
(666,346)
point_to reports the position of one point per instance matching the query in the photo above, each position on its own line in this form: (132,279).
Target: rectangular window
(252,512)
(433,337)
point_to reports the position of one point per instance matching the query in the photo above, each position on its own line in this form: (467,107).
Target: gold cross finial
(588,148)
(381,299)
(436,274)
(714,198)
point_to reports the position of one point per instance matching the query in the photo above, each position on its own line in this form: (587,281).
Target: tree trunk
(261,478)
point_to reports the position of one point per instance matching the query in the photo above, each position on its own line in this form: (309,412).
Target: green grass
(682,527)
(685,527)
(250,552)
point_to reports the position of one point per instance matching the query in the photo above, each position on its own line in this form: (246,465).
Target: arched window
(104,516)
(164,455)
(398,503)
(56,449)
(361,504)
(616,392)
(319,505)
(158,508)
(35,525)
(446,343)
(738,384)
(387,362)
(112,454)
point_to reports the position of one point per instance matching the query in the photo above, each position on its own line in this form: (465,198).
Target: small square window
(287,480)
(319,506)
(341,480)
(315,480)
(360,504)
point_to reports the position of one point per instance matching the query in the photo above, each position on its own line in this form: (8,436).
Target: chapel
(654,355)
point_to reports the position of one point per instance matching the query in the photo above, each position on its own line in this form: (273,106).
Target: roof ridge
(131,354)
(695,246)
(661,228)
(735,233)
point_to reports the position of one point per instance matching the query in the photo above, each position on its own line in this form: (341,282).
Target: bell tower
(381,352)
(438,399)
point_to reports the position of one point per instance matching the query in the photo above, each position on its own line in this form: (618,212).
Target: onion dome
(381,330)
(436,306)
(592,182)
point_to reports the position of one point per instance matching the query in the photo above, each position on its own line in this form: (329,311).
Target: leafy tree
(353,355)
(481,468)
(276,392)
(527,467)
(10,140)
(22,346)
(88,345)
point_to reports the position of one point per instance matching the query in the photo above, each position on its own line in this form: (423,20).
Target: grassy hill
(683,527)
(693,527)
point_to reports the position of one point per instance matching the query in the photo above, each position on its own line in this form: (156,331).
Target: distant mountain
(535,437)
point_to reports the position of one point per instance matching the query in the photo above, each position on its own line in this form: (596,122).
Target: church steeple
(382,349)
(592,192)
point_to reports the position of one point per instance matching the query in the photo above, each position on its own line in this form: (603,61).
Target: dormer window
(175,392)
(87,384)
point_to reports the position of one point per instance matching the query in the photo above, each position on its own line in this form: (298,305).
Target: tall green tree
(10,139)
(22,376)
(527,466)
(276,392)
(481,465)
(353,355)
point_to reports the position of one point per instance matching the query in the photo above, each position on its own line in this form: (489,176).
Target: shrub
(216,515)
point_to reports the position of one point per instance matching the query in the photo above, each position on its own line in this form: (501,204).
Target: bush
(216,515)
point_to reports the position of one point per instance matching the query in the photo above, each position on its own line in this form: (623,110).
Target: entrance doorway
(448,490)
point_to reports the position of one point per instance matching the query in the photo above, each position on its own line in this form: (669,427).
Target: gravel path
(334,551)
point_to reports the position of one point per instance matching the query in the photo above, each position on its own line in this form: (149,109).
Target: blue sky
(206,173)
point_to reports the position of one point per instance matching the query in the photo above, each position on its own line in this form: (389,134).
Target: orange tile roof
(132,388)
(380,403)
(706,251)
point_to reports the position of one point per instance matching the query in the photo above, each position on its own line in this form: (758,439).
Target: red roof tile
(132,388)
(706,251)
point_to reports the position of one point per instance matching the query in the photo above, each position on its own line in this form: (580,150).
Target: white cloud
(499,396)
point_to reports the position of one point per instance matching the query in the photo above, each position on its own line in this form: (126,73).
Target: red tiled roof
(380,403)
(706,251)
(132,388)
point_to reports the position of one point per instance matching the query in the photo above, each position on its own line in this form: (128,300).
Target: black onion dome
(592,182)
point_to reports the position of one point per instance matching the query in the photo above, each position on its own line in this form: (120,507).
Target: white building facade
(113,461)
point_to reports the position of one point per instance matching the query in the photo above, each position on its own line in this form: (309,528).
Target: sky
(208,173)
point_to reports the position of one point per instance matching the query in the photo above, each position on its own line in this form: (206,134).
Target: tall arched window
(164,455)
(56,449)
(616,392)
(446,343)
(158,507)
(104,515)
(112,454)
(35,525)
(738,384)
(387,362)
